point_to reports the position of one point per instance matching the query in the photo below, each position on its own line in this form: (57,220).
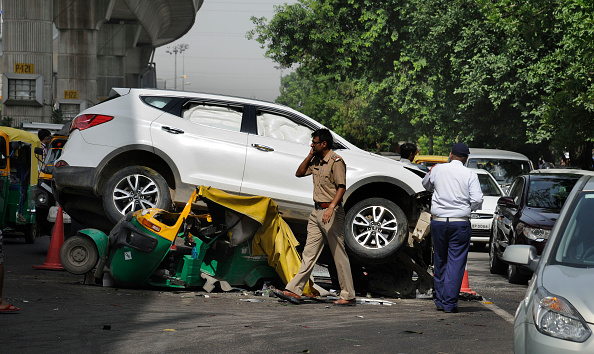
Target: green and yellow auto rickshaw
(18,180)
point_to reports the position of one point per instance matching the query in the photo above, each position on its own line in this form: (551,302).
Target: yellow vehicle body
(430,160)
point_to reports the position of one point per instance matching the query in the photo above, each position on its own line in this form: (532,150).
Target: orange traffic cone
(52,261)
(465,285)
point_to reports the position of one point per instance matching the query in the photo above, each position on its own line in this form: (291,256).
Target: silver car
(557,313)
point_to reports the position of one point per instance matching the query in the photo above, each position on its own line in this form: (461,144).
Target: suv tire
(135,188)
(375,228)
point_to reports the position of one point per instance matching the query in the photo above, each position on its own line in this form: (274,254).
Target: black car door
(507,214)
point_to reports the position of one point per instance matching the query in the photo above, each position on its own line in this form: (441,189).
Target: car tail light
(61,163)
(86,121)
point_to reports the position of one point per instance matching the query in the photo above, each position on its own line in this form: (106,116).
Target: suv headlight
(534,233)
(556,317)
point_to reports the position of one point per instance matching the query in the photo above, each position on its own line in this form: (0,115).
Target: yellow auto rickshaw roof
(21,135)
(430,158)
(14,134)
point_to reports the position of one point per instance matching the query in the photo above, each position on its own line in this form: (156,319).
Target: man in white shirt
(407,155)
(456,192)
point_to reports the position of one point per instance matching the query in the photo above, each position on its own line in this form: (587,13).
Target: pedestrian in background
(45,136)
(456,192)
(5,307)
(408,151)
(326,221)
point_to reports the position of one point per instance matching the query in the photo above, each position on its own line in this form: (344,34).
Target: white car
(557,313)
(481,221)
(503,165)
(150,148)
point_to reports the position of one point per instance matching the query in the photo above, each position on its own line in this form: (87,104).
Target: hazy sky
(219,58)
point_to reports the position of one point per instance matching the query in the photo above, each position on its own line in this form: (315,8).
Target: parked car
(527,215)
(502,164)
(150,148)
(557,315)
(481,221)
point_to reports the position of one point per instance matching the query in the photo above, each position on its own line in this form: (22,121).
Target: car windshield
(489,186)
(575,246)
(549,193)
(503,170)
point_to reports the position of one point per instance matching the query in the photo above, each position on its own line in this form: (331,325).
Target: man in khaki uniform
(326,222)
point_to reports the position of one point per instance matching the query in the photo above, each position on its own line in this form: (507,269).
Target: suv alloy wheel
(134,188)
(375,229)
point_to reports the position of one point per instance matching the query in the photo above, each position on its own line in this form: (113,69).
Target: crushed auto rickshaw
(241,241)
(18,180)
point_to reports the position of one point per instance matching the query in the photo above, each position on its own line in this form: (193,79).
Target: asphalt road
(60,314)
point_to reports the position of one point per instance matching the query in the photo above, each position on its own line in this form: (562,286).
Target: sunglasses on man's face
(316,142)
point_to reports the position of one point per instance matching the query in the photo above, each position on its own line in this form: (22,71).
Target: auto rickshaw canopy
(12,134)
(273,237)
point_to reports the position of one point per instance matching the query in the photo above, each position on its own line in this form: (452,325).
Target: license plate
(480,226)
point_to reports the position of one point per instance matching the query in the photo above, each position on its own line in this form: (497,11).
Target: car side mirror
(521,255)
(38,151)
(507,202)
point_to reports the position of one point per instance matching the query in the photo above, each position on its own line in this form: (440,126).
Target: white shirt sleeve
(427,182)
(475,192)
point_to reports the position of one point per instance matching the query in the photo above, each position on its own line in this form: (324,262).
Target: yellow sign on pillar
(71,94)
(24,68)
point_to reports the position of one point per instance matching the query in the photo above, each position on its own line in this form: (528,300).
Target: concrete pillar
(78,22)
(115,42)
(27,60)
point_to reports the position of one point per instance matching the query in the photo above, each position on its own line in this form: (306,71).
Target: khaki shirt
(328,173)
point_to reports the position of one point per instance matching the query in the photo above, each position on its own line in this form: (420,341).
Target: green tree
(497,74)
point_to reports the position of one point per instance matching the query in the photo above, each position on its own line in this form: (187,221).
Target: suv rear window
(504,171)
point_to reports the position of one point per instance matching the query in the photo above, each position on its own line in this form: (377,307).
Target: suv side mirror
(507,202)
(38,151)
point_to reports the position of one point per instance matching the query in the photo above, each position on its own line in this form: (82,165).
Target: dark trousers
(451,241)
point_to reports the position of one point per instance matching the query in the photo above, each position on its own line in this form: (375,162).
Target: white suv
(150,148)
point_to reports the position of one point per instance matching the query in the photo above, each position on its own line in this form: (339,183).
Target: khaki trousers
(318,234)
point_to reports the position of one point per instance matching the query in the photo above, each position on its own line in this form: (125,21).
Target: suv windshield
(504,171)
(549,193)
(575,247)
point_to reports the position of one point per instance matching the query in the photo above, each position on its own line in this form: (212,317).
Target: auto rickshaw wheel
(31,232)
(79,255)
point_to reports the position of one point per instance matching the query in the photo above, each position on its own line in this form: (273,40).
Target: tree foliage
(491,73)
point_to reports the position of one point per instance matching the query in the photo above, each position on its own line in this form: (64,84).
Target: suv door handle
(263,147)
(172,130)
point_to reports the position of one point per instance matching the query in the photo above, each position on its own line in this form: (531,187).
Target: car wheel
(79,255)
(515,276)
(375,228)
(496,265)
(31,232)
(135,188)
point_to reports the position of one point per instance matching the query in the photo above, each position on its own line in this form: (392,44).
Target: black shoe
(453,310)
(439,308)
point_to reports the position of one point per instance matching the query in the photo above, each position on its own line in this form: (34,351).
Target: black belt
(320,206)
(450,219)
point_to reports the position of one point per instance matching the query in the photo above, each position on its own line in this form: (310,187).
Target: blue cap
(460,149)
